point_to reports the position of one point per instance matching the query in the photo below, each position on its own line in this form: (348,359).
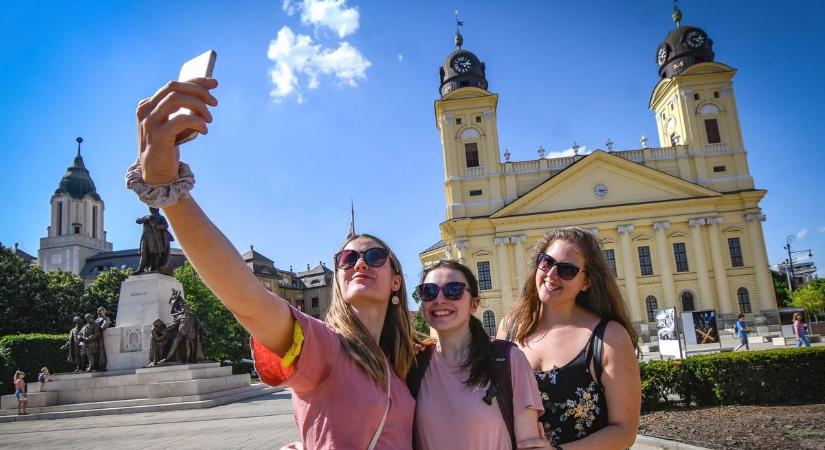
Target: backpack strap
(416,373)
(502,385)
(597,349)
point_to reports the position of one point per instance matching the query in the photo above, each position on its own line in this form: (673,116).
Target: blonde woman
(20,393)
(570,322)
(346,374)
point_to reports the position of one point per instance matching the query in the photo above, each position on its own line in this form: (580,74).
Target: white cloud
(567,152)
(400,57)
(297,56)
(821,229)
(802,233)
(332,14)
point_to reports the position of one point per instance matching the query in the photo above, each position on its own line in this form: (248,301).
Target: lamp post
(790,238)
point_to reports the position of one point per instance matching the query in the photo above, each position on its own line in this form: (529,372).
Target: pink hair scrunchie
(160,196)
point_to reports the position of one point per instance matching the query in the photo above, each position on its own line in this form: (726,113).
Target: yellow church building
(680,224)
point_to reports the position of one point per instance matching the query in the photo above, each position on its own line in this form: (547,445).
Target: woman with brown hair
(346,374)
(571,323)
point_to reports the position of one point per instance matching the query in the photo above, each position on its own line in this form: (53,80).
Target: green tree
(420,324)
(226,338)
(105,291)
(61,302)
(780,287)
(23,289)
(811,297)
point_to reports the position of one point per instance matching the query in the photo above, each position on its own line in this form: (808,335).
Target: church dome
(683,47)
(77,182)
(461,68)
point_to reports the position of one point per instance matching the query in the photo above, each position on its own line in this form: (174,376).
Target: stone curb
(665,443)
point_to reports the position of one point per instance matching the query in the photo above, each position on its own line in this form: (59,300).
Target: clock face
(462,64)
(694,38)
(661,55)
(600,191)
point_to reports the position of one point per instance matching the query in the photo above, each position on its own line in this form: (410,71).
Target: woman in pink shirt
(345,374)
(454,408)
(20,392)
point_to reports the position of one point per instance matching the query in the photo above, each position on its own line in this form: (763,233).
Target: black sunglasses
(566,271)
(374,257)
(453,290)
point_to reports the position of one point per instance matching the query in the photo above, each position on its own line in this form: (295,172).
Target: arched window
(489,321)
(744,300)
(652,305)
(687,301)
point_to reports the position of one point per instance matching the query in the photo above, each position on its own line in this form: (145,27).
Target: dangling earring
(395,299)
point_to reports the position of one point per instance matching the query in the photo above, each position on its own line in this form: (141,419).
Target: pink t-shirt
(336,405)
(20,384)
(452,415)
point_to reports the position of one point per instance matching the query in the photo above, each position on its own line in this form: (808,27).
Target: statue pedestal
(143,298)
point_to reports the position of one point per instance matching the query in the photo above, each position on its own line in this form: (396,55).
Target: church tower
(76,230)
(466,120)
(695,107)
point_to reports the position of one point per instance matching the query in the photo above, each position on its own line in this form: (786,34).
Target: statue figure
(76,356)
(158,343)
(103,319)
(154,244)
(187,333)
(91,340)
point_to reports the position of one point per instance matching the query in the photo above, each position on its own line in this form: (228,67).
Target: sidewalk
(262,423)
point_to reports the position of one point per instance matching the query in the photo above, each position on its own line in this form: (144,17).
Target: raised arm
(623,392)
(263,314)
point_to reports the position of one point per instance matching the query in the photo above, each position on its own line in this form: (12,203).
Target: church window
(652,305)
(471,153)
(712,129)
(680,254)
(458,120)
(744,300)
(478,119)
(645,263)
(484,279)
(314,302)
(94,221)
(696,96)
(687,301)
(735,252)
(475,193)
(719,169)
(610,257)
(715,94)
(59,218)
(674,139)
(489,321)
(76,228)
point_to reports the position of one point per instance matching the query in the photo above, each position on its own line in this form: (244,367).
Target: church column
(665,269)
(459,249)
(521,258)
(720,275)
(504,273)
(629,272)
(705,299)
(767,301)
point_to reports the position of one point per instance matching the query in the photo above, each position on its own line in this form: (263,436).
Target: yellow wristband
(294,351)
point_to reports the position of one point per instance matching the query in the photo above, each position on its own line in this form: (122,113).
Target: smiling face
(552,289)
(364,283)
(443,314)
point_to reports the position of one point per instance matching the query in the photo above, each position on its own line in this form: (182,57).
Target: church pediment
(603,180)
(482,253)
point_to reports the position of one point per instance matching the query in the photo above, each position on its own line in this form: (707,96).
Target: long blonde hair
(396,340)
(602,298)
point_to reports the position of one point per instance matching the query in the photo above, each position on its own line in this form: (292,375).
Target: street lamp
(790,238)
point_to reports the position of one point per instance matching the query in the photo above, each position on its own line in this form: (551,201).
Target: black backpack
(501,386)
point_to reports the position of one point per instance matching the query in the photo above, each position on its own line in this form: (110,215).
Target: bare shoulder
(617,340)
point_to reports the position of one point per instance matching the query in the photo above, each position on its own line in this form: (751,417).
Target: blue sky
(351,114)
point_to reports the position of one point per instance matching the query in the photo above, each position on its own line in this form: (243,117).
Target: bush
(30,352)
(778,376)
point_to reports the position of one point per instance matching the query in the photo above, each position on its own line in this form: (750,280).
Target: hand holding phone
(198,67)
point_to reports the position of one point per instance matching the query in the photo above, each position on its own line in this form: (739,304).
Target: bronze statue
(187,335)
(91,344)
(155,255)
(103,319)
(158,345)
(76,356)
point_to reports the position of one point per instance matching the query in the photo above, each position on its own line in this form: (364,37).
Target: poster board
(700,327)
(786,320)
(666,330)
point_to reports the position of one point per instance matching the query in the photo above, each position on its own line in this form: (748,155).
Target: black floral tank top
(574,403)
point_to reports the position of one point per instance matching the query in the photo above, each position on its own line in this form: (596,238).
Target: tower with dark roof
(76,229)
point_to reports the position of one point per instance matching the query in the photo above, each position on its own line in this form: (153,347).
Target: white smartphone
(197,67)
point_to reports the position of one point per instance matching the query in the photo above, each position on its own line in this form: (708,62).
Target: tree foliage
(420,324)
(105,291)
(62,302)
(226,338)
(780,287)
(811,297)
(23,288)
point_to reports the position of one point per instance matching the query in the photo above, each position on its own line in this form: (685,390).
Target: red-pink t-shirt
(336,404)
(452,415)
(20,384)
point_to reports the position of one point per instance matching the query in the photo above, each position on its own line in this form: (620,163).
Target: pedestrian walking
(800,329)
(740,328)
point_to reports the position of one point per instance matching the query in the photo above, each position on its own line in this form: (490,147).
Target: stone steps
(206,400)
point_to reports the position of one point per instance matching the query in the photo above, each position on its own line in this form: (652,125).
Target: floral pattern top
(574,403)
